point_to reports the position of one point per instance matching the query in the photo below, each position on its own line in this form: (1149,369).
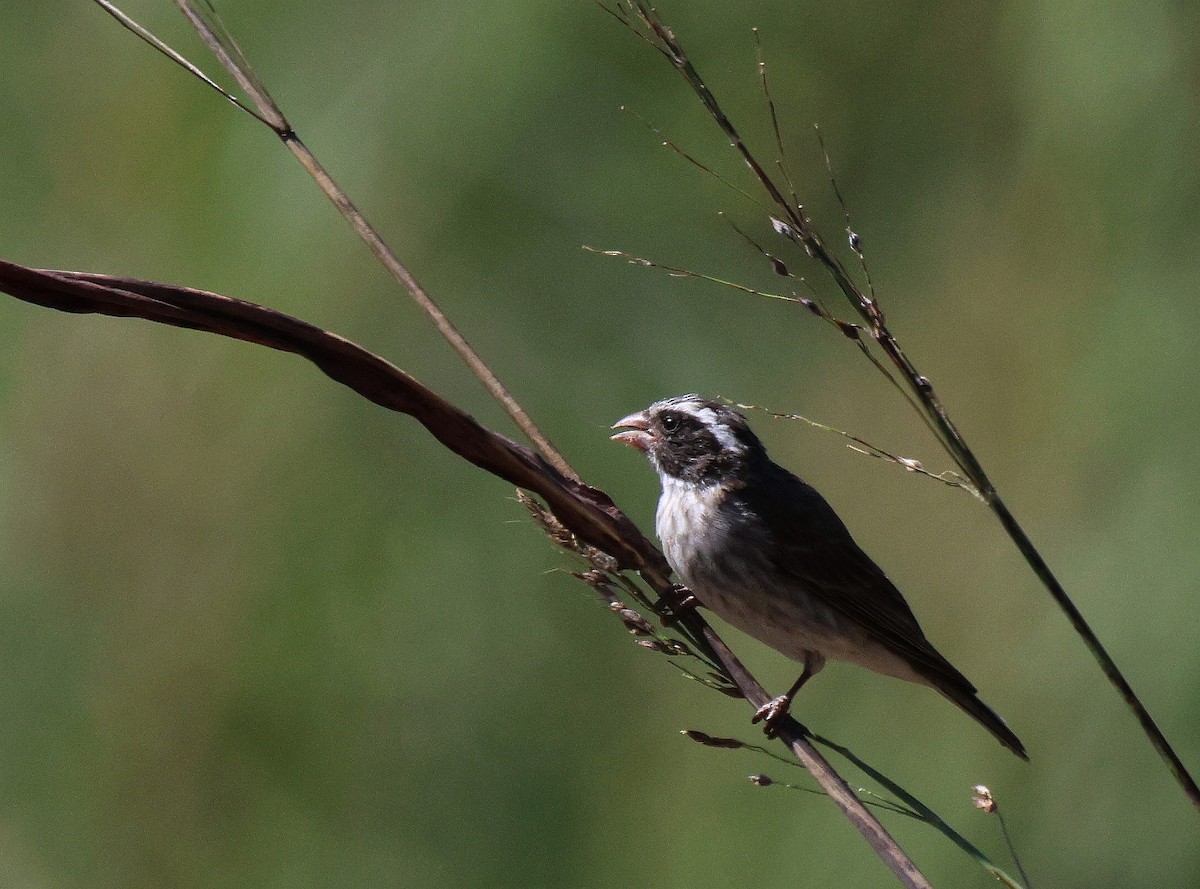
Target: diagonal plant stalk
(575,504)
(585,512)
(909,805)
(266,110)
(926,814)
(796,227)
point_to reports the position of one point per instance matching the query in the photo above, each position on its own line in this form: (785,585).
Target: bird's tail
(985,716)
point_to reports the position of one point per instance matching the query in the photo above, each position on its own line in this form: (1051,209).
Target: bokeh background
(257,632)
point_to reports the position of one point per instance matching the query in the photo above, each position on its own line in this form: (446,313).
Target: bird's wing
(812,545)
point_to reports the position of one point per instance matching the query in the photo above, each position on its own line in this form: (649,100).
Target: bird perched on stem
(764,551)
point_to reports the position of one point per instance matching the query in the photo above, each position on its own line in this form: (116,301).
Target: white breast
(727,570)
(687,513)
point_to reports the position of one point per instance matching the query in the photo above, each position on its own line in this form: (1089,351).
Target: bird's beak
(638,435)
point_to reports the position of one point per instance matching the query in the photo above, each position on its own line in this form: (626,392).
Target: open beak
(638,435)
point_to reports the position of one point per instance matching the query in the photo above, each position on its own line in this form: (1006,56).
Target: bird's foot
(770,714)
(671,607)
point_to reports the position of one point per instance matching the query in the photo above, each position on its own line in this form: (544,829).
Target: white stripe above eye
(721,432)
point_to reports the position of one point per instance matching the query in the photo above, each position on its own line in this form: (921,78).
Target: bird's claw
(770,713)
(673,606)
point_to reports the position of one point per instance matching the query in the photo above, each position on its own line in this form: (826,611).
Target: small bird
(764,551)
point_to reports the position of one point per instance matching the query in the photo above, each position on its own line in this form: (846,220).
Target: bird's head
(691,438)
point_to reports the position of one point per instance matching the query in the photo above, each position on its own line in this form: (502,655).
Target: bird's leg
(777,708)
(676,603)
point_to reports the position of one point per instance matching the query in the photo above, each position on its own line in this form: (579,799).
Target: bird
(764,551)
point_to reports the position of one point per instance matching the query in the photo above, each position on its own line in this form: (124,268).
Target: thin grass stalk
(263,108)
(639,553)
(796,227)
(584,511)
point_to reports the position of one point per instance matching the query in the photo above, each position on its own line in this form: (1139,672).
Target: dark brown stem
(797,228)
(267,111)
(796,738)
(444,325)
(1149,726)
(586,512)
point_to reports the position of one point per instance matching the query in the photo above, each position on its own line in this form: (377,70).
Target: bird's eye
(670,422)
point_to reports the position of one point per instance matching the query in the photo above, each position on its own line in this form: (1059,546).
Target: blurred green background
(257,632)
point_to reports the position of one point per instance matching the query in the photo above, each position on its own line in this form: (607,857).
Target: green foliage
(255,632)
